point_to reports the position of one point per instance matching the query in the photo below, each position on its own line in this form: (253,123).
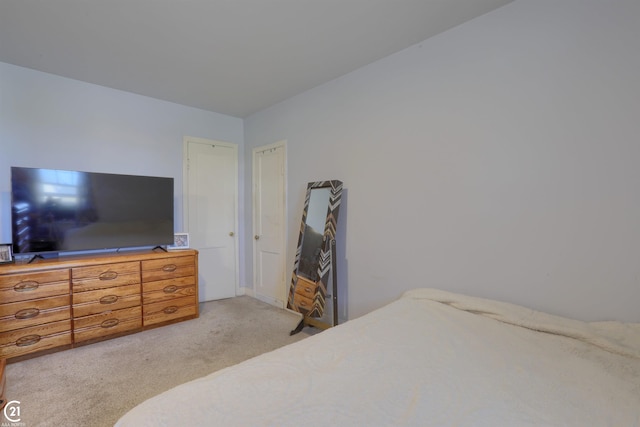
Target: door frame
(254,184)
(185,191)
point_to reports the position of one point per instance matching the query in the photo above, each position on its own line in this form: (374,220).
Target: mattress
(430,358)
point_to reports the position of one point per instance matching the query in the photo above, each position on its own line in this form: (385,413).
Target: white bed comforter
(431,358)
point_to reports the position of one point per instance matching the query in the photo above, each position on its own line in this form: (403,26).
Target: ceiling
(233,57)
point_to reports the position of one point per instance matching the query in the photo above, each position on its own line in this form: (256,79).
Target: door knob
(256,237)
(231,233)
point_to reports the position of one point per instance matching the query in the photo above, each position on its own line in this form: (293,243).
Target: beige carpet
(96,384)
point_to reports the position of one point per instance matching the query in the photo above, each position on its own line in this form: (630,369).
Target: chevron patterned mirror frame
(314,265)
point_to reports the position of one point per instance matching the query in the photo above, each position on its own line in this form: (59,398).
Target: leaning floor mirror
(314,280)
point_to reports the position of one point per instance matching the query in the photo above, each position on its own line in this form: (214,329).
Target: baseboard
(250,292)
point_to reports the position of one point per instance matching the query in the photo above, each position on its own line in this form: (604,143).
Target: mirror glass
(313,236)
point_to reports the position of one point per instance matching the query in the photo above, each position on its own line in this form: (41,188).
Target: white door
(210,214)
(269,223)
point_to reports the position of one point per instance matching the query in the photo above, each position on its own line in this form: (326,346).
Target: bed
(430,358)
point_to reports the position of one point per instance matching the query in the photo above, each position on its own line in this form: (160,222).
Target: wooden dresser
(56,304)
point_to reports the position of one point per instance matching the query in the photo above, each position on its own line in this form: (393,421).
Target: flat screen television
(62,211)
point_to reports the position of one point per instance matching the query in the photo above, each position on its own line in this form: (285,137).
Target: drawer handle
(170,310)
(109,299)
(108,275)
(109,323)
(303,303)
(308,289)
(27,286)
(27,313)
(169,267)
(170,289)
(28,340)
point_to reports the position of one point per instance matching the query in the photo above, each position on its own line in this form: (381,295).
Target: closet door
(269,195)
(210,214)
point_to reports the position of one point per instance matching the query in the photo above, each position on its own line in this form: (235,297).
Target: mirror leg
(298,328)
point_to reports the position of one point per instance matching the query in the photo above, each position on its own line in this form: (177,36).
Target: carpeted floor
(95,385)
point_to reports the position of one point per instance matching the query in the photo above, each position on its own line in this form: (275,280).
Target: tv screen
(59,210)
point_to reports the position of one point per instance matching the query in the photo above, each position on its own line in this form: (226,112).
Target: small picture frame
(6,253)
(180,241)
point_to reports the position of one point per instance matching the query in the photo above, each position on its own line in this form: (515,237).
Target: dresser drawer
(169,293)
(105,276)
(306,287)
(23,314)
(164,311)
(27,286)
(107,323)
(163,290)
(168,284)
(29,340)
(168,268)
(94,302)
(303,303)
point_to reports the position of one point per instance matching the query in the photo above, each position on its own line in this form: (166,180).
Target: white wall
(52,122)
(500,159)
